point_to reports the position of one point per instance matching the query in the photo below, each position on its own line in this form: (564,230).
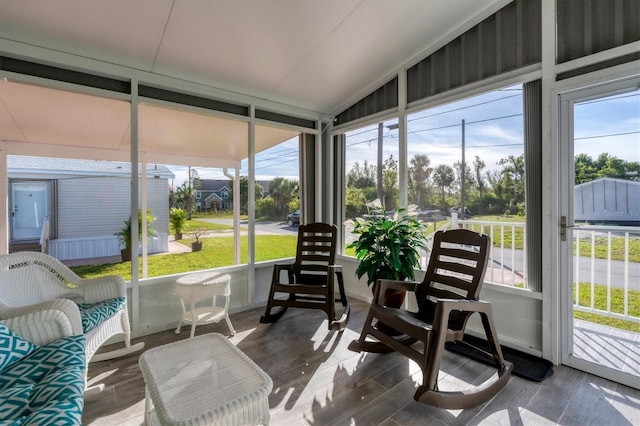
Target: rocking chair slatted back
(456,271)
(316,250)
(311,278)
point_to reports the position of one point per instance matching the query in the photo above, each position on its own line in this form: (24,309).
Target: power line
(613,98)
(464,107)
(448,111)
(607,136)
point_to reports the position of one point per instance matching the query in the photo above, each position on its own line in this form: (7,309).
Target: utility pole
(189,197)
(379,168)
(462,177)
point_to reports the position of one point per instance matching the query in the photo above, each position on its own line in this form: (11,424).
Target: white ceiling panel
(43,115)
(316,55)
(116,31)
(311,54)
(246,46)
(171,131)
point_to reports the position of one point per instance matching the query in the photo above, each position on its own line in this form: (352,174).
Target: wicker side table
(193,288)
(204,381)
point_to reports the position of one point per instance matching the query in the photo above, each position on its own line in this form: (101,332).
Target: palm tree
(478,166)
(420,172)
(281,190)
(443,177)
(185,195)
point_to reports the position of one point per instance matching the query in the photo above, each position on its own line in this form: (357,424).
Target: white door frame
(578,90)
(14,211)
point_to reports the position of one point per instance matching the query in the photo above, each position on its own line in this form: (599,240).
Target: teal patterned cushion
(12,347)
(54,377)
(59,413)
(15,401)
(93,314)
(65,384)
(47,358)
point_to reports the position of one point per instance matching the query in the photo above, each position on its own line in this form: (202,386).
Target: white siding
(91,210)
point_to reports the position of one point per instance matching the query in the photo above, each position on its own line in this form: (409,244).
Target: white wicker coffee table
(204,381)
(193,288)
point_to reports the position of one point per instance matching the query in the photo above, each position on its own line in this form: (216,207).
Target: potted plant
(178,220)
(197,244)
(387,247)
(124,235)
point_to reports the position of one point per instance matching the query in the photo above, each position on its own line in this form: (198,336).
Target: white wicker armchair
(40,299)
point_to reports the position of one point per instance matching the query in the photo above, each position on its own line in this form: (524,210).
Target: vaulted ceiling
(318,56)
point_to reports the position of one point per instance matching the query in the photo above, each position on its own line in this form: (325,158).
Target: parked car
(467,213)
(432,215)
(293,219)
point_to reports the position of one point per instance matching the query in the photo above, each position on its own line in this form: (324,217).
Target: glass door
(600,230)
(28,209)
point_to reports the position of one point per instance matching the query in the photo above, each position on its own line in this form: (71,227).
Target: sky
(493,130)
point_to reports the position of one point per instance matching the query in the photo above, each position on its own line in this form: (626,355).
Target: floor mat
(524,365)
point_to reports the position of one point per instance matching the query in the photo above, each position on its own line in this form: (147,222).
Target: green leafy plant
(124,235)
(178,221)
(387,247)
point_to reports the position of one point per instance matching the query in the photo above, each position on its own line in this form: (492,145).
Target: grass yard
(216,252)
(600,302)
(505,234)
(195,224)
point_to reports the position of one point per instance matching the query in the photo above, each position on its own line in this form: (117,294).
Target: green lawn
(216,252)
(617,243)
(600,302)
(195,224)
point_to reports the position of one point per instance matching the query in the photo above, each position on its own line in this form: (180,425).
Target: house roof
(73,167)
(213,197)
(214,184)
(631,183)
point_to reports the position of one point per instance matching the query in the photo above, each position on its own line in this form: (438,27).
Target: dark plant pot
(126,254)
(196,246)
(177,236)
(394,299)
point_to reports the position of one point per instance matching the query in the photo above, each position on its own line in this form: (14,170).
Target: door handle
(563,228)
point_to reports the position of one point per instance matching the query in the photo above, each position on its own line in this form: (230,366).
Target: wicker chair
(41,298)
(446,298)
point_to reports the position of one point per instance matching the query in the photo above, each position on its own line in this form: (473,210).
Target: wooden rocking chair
(446,298)
(311,278)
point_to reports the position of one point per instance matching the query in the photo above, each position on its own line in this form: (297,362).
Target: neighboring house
(607,200)
(85,202)
(214,195)
(217,194)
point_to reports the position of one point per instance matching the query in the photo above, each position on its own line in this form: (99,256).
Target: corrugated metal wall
(532,108)
(590,26)
(382,99)
(508,40)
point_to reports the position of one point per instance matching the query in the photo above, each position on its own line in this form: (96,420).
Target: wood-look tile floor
(318,381)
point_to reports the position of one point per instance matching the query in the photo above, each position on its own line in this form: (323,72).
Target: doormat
(524,365)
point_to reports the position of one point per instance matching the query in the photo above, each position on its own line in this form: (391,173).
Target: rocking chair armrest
(464,305)
(444,307)
(335,269)
(45,322)
(279,267)
(102,288)
(384,285)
